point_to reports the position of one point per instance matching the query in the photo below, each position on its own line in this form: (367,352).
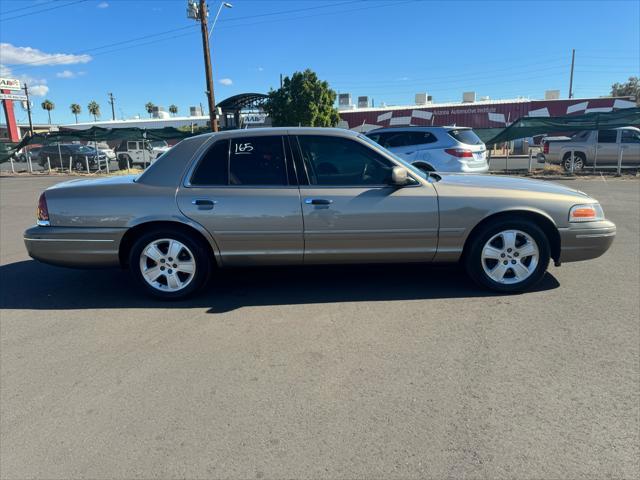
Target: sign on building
(10,84)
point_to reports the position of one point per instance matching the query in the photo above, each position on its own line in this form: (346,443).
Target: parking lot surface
(332,372)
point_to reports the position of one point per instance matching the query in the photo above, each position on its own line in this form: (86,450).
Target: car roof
(339,132)
(416,128)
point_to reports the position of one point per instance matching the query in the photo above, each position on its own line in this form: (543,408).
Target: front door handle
(203,203)
(318,201)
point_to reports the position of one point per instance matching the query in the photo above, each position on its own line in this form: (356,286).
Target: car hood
(507,183)
(95,182)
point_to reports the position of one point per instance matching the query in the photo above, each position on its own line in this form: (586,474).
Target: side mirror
(399,176)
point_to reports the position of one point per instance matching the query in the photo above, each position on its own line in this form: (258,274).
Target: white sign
(10,84)
(12,96)
(253,118)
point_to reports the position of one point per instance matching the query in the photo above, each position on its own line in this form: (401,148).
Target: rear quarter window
(465,136)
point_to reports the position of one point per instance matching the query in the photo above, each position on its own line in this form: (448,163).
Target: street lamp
(222,5)
(199,12)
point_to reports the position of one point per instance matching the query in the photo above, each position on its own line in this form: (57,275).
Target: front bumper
(74,246)
(583,241)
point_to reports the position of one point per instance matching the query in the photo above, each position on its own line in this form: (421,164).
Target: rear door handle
(318,201)
(203,203)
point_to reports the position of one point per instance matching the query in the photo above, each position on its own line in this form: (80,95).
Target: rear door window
(257,161)
(420,138)
(607,136)
(466,136)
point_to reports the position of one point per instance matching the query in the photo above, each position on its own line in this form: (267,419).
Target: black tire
(79,165)
(201,256)
(122,162)
(579,162)
(473,254)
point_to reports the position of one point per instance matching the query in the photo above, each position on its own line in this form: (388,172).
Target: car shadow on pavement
(34,286)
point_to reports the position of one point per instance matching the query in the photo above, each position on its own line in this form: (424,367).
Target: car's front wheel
(169,264)
(508,255)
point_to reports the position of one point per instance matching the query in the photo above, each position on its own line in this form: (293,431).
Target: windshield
(158,143)
(408,166)
(82,148)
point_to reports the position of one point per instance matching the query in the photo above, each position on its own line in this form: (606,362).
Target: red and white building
(476,114)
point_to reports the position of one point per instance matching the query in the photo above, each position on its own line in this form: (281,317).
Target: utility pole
(573,60)
(112,102)
(203,13)
(26,92)
(280,80)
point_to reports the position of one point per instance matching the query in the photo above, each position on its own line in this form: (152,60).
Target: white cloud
(11,54)
(261,69)
(226,81)
(38,90)
(65,74)
(103,5)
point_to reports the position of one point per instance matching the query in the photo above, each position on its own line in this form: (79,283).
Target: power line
(289,11)
(33,5)
(16,67)
(19,66)
(43,10)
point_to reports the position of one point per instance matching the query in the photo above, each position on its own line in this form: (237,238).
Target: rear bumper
(74,246)
(584,241)
(477,168)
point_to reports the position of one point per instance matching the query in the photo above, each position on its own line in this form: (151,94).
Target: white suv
(440,149)
(138,152)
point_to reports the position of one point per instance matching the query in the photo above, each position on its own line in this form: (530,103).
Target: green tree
(631,88)
(94,109)
(173,109)
(149,106)
(48,105)
(303,100)
(75,109)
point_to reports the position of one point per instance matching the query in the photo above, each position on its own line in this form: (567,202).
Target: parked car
(440,149)
(28,153)
(104,147)
(589,147)
(139,152)
(293,196)
(61,156)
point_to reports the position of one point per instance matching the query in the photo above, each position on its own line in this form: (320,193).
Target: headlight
(590,212)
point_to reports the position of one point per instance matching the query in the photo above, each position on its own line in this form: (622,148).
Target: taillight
(42,213)
(545,147)
(459,152)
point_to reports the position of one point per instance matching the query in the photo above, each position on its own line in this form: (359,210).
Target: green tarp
(531,126)
(96,134)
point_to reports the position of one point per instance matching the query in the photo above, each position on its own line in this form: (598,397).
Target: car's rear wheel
(508,255)
(579,162)
(169,264)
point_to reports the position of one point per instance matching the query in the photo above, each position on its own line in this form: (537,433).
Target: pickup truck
(593,147)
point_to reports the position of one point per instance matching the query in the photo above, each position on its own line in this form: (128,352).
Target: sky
(75,51)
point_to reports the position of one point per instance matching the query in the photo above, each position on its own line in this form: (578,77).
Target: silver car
(439,149)
(294,196)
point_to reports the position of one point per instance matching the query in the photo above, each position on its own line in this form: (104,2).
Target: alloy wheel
(510,257)
(167,265)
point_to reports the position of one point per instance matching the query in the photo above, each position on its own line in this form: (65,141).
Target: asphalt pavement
(331,372)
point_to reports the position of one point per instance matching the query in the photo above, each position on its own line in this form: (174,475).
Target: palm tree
(173,109)
(94,109)
(149,106)
(75,109)
(48,105)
